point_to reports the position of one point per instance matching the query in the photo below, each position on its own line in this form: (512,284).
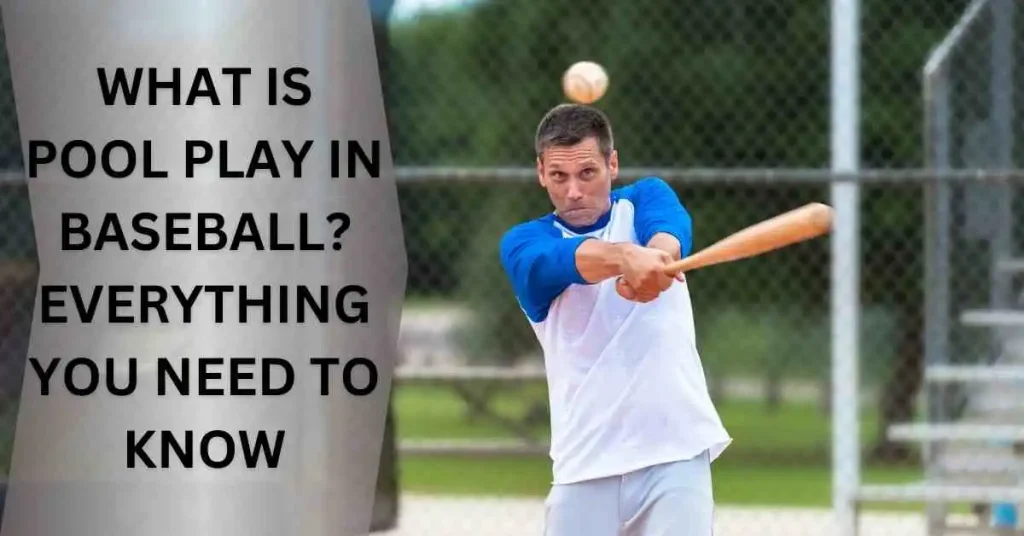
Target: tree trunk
(899,392)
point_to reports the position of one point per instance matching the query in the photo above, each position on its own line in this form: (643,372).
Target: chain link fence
(729,102)
(721,98)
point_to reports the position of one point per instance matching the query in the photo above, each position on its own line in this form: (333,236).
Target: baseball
(585,82)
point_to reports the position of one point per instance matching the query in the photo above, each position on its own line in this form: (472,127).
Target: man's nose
(574,191)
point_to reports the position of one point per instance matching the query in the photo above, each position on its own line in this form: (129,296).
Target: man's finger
(624,289)
(646,295)
(646,298)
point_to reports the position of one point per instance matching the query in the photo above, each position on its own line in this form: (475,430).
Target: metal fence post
(845,265)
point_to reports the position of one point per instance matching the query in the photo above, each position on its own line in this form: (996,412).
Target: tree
(694,83)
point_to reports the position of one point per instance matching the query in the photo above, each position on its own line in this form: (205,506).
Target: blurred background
(729,101)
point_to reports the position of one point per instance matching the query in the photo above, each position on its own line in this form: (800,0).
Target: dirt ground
(433,516)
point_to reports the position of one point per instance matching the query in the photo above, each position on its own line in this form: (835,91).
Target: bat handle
(676,267)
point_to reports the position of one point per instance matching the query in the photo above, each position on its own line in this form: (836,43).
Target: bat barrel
(797,225)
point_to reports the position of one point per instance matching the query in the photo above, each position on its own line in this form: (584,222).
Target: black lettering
(218,300)
(205,375)
(275,243)
(229,448)
(247,231)
(272,89)
(252,452)
(164,369)
(361,308)
(155,303)
(211,223)
(290,82)
(169,442)
(236,86)
(320,310)
(111,231)
(371,164)
(202,87)
(120,82)
(262,159)
(306,245)
(147,162)
(226,173)
(114,292)
(146,231)
(133,378)
(187,302)
(49,302)
(137,449)
(92,381)
(90,159)
(237,375)
(39,152)
(325,372)
(129,155)
(297,157)
(173,230)
(86,312)
(347,373)
(289,376)
(192,158)
(44,374)
(74,224)
(245,302)
(174,84)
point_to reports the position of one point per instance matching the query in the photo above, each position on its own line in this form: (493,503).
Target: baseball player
(634,430)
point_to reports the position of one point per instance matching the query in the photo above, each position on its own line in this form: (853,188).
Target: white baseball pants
(673,499)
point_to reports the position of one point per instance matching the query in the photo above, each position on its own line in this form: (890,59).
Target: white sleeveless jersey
(625,381)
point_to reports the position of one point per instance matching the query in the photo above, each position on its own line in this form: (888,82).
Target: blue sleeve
(540,265)
(658,210)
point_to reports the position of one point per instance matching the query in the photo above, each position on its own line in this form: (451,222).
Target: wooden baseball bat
(797,225)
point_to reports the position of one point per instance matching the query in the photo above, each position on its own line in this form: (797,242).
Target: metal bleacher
(972,431)
(977,458)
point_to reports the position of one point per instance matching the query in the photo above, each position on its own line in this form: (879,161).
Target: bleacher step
(981,463)
(946,493)
(974,373)
(1010,265)
(1002,318)
(954,432)
(988,403)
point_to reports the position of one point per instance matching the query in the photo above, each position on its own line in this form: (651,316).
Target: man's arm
(540,265)
(661,220)
(667,243)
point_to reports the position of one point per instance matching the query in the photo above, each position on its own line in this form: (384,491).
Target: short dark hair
(569,124)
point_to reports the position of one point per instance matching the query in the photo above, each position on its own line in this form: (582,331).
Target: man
(633,427)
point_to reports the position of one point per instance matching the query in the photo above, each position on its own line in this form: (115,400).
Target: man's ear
(540,171)
(613,164)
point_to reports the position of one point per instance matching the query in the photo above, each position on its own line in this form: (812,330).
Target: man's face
(578,180)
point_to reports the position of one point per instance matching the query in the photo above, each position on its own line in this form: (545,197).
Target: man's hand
(643,275)
(669,245)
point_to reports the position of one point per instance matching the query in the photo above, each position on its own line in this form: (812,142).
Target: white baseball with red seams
(585,82)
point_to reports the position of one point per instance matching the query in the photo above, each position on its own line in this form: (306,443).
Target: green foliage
(694,83)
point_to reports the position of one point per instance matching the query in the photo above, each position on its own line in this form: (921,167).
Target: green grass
(779,457)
